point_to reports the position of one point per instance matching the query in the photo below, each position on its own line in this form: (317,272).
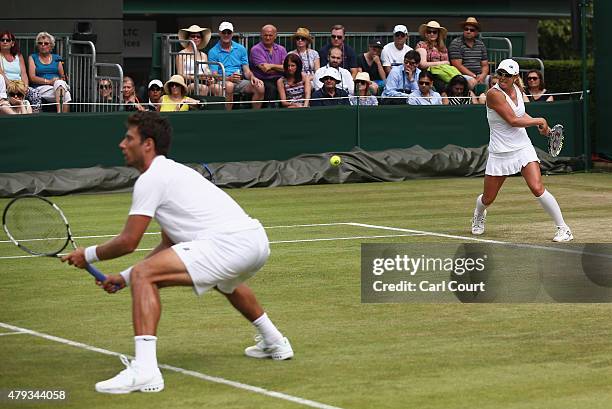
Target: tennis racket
(39,227)
(555,140)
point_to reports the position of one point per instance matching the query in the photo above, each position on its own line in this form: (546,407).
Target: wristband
(91,256)
(126,275)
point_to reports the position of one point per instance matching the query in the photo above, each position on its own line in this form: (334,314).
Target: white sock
(549,203)
(146,351)
(267,329)
(480,207)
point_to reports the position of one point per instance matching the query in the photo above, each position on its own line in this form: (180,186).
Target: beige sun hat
(302,32)
(433,24)
(363,76)
(184,33)
(175,79)
(470,21)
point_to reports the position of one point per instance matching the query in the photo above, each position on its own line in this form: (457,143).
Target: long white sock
(146,351)
(549,203)
(267,329)
(480,207)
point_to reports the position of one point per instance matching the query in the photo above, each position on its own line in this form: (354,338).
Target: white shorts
(47,92)
(224,260)
(509,163)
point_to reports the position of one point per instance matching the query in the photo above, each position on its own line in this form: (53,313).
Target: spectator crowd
(268,75)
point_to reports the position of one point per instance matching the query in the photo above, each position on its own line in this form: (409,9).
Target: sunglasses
(532,78)
(300,39)
(5,40)
(329,79)
(335,37)
(400,34)
(195,36)
(226,32)
(432,31)
(504,74)
(156,88)
(470,29)
(424,83)
(43,43)
(16,95)
(105,86)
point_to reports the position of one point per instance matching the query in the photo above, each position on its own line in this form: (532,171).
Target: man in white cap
(393,53)
(155,91)
(329,94)
(233,56)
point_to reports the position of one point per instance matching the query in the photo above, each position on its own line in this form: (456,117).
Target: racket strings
(37,226)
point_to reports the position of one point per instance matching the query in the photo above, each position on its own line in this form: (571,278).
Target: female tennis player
(511,151)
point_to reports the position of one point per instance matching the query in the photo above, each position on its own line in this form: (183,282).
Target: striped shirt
(470,56)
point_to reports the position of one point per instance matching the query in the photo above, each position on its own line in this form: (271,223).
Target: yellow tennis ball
(335,160)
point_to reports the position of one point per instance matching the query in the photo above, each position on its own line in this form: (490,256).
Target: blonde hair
(519,83)
(17,87)
(44,34)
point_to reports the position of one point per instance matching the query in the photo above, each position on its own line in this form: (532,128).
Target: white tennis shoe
(478,222)
(564,234)
(132,379)
(280,351)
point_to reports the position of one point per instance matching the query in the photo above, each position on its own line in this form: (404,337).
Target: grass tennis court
(348,354)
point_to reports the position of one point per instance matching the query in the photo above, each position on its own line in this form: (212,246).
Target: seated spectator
(362,93)
(4,105)
(458,92)
(425,95)
(13,67)
(393,53)
(105,91)
(233,56)
(536,89)
(155,95)
(469,54)
(130,99)
(267,61)
(16,103)
(335,59)
(293,88)
(311,61)
(370,63)
(46,72)
(434,54)
(349,57)
(175,98)
(403,79)
(329,94)
(185,61)
(493,79)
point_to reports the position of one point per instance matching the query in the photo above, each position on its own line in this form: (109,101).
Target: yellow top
(169,105)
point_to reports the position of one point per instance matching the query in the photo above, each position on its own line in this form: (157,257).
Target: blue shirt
(232,60)
(415,98)
(47,71)
(398,85)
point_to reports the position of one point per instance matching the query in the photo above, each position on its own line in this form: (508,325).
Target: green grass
(348,354)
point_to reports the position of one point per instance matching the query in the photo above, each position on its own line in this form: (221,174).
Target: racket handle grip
(97,274)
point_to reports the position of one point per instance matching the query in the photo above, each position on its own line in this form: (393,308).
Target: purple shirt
(261,55)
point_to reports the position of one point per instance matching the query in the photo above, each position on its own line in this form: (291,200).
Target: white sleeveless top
(188,64)
(12,69)
(503,136)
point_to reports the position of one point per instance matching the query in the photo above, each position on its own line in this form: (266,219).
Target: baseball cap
(330,72)
(509,65)
(155,82)
(376,42)
(226,25)
(400,28)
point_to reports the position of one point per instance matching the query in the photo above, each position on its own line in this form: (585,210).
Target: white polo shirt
(391,56)
(186,205)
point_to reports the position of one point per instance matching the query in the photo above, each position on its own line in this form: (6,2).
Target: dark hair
(413,55)
(338,27)
(152,125)
(15,47)
(298,62)
(540,76)
(457,80)
(426,74)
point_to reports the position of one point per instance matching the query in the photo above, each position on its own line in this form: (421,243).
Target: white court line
(13,333)
(199,375)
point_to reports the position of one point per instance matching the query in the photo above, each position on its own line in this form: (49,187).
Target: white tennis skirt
(510,163)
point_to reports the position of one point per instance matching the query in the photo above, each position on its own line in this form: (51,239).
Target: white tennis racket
(555,140)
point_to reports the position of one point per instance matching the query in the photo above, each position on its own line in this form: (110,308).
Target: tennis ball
(335,160)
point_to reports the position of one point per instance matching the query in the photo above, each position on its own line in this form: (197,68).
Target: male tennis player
(207,241)
(511,151)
